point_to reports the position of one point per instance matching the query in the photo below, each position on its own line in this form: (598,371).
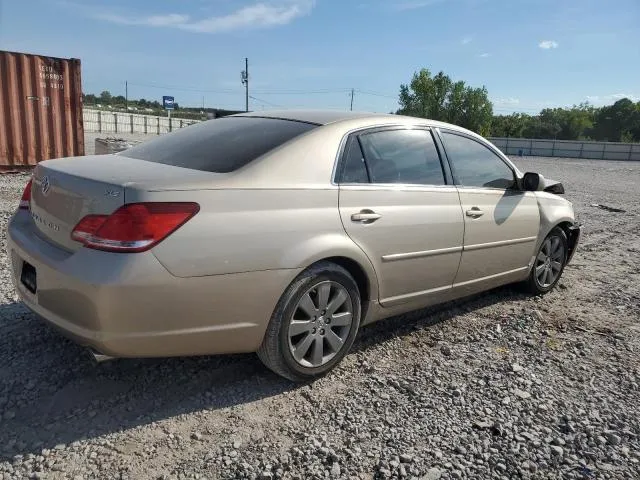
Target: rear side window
(221,145)
(355,170)
(402,156)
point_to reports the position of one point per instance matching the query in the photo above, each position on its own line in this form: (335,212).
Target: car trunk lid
(66,190)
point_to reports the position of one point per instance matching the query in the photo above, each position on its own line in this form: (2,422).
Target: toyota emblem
(46,185)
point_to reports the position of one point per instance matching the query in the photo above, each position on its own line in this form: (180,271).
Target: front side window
(402,156)
(474,165)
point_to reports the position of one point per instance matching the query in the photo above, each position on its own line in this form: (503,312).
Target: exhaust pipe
(99,357)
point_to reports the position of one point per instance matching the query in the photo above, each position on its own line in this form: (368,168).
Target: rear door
(501,221)
(397,205)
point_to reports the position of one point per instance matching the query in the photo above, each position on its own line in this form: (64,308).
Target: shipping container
(40,109)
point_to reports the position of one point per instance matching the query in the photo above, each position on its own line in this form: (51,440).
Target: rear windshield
(221,145)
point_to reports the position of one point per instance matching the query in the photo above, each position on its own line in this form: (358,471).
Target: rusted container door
(40,109)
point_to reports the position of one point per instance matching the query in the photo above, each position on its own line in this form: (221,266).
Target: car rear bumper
(129,305)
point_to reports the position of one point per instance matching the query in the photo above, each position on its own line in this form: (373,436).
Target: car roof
(348,118)
(318,117)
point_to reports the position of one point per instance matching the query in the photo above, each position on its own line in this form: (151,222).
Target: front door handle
(365,216)
(474,212)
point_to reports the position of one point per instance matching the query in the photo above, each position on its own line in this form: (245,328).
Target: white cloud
(510,101)
(414,4)
(618,96)
(466,40)
(258,15)
(484,55)
(547,44)
(611,98)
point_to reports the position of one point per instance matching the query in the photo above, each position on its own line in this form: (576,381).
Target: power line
(301,92)
(377,94)
(231,91)
(264,101)
(183,89)
(293,92)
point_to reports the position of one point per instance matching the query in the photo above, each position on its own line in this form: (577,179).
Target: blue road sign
(167,102)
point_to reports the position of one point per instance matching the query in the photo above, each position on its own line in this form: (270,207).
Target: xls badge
(45,185)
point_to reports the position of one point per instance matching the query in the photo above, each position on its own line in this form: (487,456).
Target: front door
(501,222)
(395,204)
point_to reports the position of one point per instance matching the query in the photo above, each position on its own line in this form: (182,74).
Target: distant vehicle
(280,233)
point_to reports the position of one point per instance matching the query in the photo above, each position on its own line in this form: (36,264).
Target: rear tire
(314,323)
(548,263)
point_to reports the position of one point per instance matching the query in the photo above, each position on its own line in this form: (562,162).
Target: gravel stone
(433,474)
(613,439)
(501,385)
(557,450)
(461,450)
(406,458)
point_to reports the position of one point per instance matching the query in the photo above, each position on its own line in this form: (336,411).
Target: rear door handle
(474,212)
(365,216)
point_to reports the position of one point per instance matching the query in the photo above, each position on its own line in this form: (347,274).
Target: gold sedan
(280,233)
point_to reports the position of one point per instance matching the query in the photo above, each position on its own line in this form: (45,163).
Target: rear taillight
(26,197)
(135,227)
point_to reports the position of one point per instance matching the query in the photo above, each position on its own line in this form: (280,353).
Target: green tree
(456,103)
(477,110)
(105,97)
(89,99)
(510,125)
(557,123)
(439,98)
(119,101)
(618,121)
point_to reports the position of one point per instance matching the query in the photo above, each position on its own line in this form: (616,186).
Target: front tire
(314,323)
(549,262)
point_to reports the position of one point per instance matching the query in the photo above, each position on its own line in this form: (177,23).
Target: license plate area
(28,277)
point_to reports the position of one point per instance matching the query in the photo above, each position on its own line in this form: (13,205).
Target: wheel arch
(569,228)
(342,251)
(366,285)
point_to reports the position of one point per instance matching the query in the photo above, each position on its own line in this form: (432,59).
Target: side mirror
(532,182)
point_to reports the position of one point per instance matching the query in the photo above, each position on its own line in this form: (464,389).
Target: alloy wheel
(320,324)
(549,261)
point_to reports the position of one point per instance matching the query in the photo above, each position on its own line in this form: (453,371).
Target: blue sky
(530,54)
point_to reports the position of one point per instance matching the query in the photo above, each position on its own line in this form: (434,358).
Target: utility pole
(352,94)
(244,75)
(126,95)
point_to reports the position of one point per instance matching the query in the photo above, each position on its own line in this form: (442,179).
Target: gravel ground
(502,385)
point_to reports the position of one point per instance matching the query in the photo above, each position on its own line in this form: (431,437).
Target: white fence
(101,121)
(568,148)
(112,123)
